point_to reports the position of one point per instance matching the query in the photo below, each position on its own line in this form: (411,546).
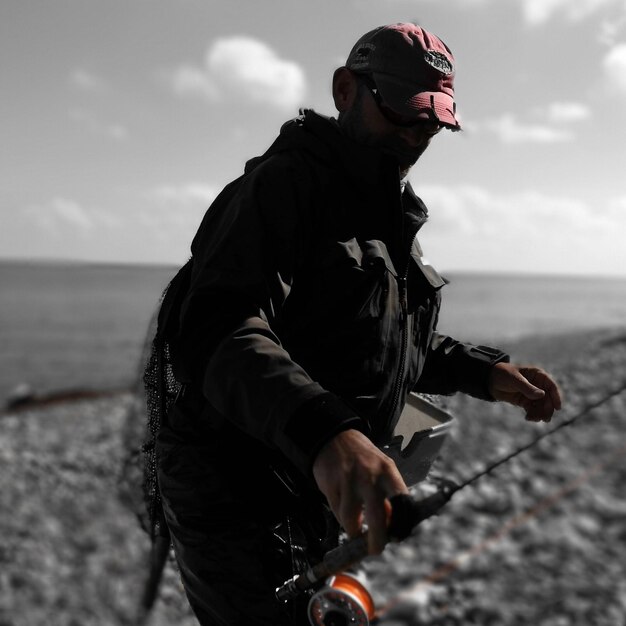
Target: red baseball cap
(412,68)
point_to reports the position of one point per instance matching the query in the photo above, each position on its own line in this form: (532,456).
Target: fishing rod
(567,422)
(340,598)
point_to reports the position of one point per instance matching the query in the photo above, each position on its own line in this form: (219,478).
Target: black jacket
(310,308)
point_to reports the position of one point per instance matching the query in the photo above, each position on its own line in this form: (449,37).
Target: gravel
(542,540)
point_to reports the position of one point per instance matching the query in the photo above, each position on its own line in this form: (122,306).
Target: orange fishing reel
(342,601)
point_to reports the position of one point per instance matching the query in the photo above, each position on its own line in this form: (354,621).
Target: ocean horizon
(80,325)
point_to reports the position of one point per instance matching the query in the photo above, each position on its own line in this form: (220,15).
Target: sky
(120,121)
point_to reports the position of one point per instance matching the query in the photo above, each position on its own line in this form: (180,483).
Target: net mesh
(154,391)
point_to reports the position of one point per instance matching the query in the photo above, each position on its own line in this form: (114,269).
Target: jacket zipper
(404,341)
(402,281)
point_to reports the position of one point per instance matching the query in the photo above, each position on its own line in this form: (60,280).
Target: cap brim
(404,100)
(440,102)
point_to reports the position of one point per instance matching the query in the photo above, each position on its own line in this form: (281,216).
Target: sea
(76,326)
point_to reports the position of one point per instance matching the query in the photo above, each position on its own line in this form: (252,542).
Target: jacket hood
(310,132)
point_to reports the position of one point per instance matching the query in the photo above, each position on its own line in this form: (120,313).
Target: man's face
(366,123)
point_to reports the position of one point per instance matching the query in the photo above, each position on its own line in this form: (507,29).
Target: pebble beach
(542,540)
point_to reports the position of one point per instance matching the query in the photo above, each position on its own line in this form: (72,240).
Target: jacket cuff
(315,423)
(475,379)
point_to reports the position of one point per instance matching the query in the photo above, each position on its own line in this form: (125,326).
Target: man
(308,317)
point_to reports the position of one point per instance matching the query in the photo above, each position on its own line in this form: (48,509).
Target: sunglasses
(429,127)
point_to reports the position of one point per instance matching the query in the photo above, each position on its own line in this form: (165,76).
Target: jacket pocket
(424,281)
(351,278)
(342,316)
(424,300)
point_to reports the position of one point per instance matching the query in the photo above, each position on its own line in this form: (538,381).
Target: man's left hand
(528,387)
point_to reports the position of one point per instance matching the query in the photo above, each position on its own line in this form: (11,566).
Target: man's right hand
(357,479)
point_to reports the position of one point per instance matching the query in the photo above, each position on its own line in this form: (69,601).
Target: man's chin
(405,161)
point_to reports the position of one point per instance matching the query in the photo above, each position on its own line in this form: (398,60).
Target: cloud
(617,207)
(510,130)
(175,212)
(59,215)
(242,68)
(476,210)
(614,66)
(551,124)
(613,28)
(192,81)
(471,227)
(183,195)
(538,12)
(154,225)
(86,81)
(72,213)
(90,121)
(563,112)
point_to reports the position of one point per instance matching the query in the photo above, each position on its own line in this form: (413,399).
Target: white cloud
(510,130)
(537,12)
(472,209)
(61,214)
(191,81)
(72,213)
(246,69)
(116,131)
(564,112)
(190,193)
(617,206)
(154,225)
(614,65)
(94,125)
(540,11)
(174,212)
(473,228)
(87,81)
(243,62)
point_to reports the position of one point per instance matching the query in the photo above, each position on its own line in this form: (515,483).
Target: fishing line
(588,408)
(448,568)
(546,502)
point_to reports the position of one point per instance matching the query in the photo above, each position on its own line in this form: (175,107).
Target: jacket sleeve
(245,259)
(453,366)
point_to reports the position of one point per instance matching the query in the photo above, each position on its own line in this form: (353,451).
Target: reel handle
(406,514)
